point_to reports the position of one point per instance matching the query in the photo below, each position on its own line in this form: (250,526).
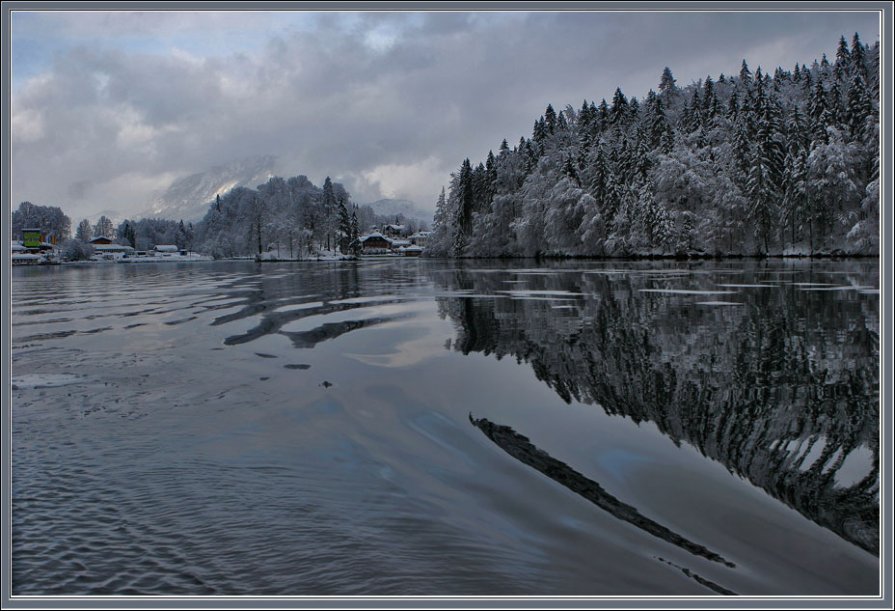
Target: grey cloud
(325,103)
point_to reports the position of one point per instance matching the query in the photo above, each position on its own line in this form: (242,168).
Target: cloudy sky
(108,108)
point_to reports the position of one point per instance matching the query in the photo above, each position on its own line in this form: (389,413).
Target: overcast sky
(108,108)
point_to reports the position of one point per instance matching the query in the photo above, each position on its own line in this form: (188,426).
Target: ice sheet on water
(308,305)
(541,293)
(688,292)
(30,381)
(749,286)
(371,300)
(850,287)
(544,272)
(468,295)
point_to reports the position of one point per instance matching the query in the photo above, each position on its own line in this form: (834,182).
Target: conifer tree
(550,119)
(667,83)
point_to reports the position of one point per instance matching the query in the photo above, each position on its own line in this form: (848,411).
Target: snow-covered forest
(50,219)
(753,163)
(291,216)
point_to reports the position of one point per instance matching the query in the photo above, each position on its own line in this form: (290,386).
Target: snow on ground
(324,255)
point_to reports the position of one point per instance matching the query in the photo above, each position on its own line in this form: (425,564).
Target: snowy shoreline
(679,257)
(655,257)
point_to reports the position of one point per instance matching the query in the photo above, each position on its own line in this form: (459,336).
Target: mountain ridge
(188,197)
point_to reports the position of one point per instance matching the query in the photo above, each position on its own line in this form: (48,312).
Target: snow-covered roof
(101,239)
(422,234)
(375,234)
(111,247)
(412,248)
(16,246)
(400,242)
(166,248)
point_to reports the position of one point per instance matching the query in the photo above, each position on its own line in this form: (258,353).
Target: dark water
(417,427)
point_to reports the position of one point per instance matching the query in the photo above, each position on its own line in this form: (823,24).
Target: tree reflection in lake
(777,380)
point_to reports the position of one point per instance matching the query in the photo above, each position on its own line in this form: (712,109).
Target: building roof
(375,234)
(166,248)
(111,247)
(17,246)
(101,239)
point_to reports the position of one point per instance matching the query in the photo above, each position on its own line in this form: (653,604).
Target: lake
(418,427)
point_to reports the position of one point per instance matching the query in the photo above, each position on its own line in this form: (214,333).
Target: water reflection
(234,428)
(521,448)
(782,390)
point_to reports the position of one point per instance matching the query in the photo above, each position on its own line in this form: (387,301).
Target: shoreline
(542,259)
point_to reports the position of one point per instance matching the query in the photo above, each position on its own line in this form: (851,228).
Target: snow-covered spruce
(748,164)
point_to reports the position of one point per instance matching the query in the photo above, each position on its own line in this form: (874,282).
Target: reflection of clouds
(422,346)
(856,466)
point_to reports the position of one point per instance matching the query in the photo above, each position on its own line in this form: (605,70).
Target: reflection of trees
(781,390)
(278,300)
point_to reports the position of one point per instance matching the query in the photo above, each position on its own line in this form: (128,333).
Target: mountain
(187,198)
(393,207)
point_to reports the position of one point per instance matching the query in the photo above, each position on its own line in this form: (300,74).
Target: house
(411,251)
(395,230)
(420,238)
(105,248)
(35,241)
(374,244)
(32,249)
(166,250)
(24,256)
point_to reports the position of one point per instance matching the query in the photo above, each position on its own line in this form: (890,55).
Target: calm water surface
(418,427)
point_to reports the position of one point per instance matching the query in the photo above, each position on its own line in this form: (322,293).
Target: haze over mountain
(187,198)
(394,207)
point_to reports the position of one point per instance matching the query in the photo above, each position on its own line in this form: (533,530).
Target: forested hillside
(756,163)
(293,217)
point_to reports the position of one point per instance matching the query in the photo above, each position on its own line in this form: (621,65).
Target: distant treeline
(291,216)
(748,164)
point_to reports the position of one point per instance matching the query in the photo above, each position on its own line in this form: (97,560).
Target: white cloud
(409,180)
(388,102)
(27,125)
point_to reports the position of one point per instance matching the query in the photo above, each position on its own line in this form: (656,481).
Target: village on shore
(35,247)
